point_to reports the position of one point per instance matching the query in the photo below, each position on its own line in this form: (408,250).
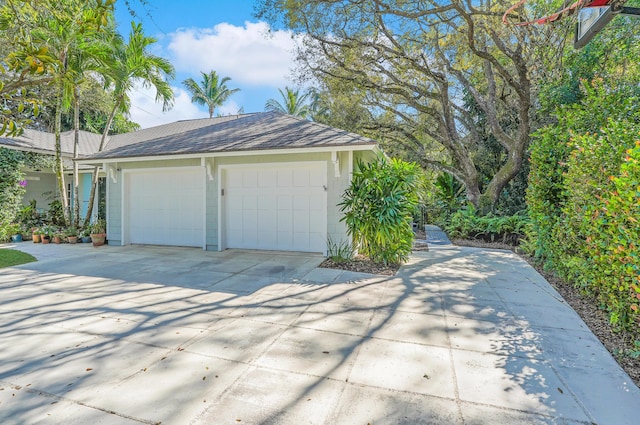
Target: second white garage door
(275,207)
(165,207)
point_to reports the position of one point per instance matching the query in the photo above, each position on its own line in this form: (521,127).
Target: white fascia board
(64,155)
(231,153)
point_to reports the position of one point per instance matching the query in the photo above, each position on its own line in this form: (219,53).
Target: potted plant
(84,235)
(36,235)
(56,237)
(45,234)
(26,232)
(14,231)
(72,235)
(99,232)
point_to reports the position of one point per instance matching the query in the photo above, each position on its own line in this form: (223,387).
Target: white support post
(336,163)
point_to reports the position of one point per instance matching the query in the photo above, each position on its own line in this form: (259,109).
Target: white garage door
(275,207)
(165,207)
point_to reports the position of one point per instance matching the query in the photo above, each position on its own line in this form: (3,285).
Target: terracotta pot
(98,238)
(37,238)
(46,239)
(57,239)
(72,239)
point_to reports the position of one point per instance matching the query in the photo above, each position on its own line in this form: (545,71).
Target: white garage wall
(335,188)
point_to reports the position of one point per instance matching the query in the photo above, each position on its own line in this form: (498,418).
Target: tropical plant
(293,103)
(124,65)
(68,31)
(379,206)
(211,92)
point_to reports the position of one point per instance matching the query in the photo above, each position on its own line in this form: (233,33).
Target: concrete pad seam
(527,412)
(334,409)
(573,394)
(58,398)
(251,364)
(456,390)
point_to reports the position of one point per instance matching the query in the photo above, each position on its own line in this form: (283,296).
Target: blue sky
(199,35)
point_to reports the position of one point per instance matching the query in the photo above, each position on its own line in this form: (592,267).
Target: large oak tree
(429,72)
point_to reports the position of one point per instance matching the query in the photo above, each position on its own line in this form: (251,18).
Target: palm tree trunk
(94,185)
(76,137)
(58,158)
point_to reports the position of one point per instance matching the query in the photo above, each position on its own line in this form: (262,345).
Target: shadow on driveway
(174,336)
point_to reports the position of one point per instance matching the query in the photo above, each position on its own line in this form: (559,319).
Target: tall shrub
(582,202)
(379,206)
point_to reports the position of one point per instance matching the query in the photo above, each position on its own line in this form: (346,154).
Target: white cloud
(146,112)
(248,55)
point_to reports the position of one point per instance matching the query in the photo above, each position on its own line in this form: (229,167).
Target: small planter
(37,238)
(72,239)
(98,238)
(46,239)
(16,238)
(57,239)
(86,239)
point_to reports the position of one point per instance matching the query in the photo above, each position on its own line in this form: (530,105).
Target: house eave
(329,149)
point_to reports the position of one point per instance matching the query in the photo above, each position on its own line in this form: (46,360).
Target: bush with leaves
(466,224)
(13,184)
(582,201)
(379,206)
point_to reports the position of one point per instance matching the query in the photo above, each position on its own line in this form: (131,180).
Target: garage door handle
(324,187)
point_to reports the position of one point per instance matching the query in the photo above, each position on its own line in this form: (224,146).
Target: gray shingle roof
(34,140)
(260,131)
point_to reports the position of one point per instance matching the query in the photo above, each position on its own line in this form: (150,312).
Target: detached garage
(264,181)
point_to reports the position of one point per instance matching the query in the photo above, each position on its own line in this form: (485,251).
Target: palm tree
(212,91)
(293,103)
(65,31)
(124,65)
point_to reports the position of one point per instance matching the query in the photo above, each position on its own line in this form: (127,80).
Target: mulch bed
(362,265)
(617,343)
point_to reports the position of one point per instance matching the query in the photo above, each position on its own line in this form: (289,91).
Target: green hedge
(583,199)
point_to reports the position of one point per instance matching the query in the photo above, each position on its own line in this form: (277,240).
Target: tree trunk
(59,168)
(76,137)
(94,184)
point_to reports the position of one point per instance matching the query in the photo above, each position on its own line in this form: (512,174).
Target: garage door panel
(165,207)
(301,177)
(290,210)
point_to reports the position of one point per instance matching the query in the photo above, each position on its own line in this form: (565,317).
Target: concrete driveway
(129,335)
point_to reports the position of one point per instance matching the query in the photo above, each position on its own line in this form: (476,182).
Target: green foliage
(293,103)
(211,92)
(55,215)
(12,180)
(99,227)
(584,198)
(11,257)
(339,252)
(379,206)
(466,224)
